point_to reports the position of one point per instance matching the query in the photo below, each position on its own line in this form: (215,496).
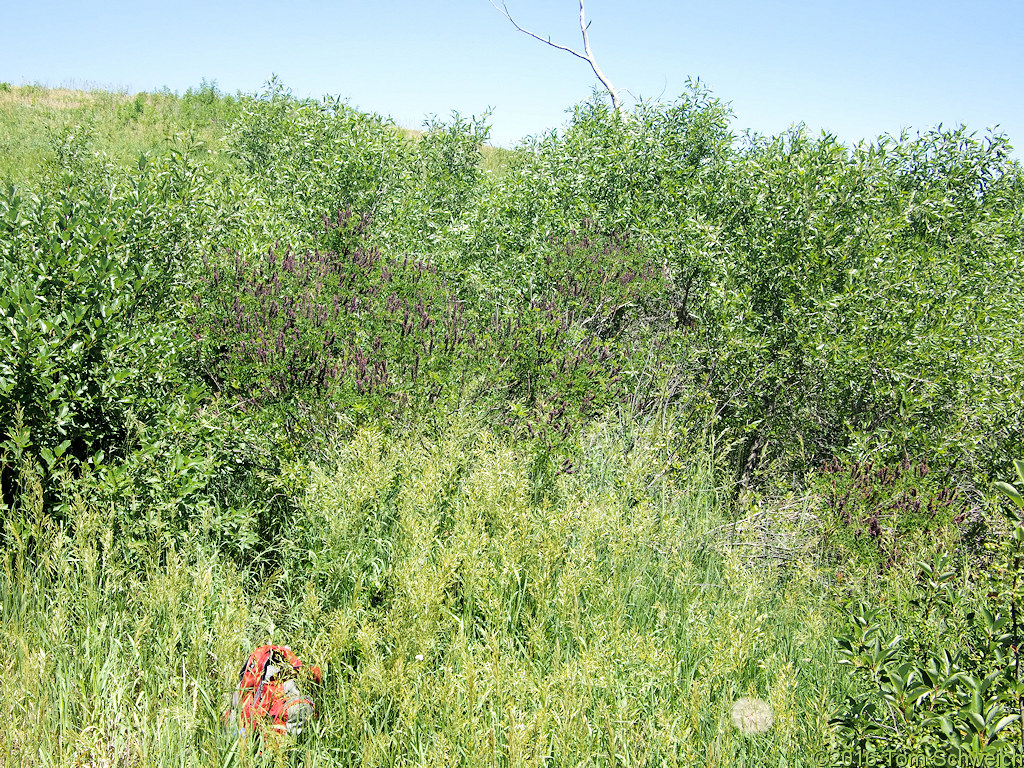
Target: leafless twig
(587,56)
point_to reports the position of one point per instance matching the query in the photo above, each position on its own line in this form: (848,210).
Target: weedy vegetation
(640,443)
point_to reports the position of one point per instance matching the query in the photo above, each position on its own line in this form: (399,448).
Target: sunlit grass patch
(121,125)
(455,619)
(574,627)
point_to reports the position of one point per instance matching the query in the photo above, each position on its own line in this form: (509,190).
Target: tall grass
(461,614)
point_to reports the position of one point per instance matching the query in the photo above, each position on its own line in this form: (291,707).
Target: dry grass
(55,98)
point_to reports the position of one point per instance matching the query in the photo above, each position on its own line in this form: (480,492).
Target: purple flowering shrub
(577,345)
(382,335)
(316,323)
(877,512)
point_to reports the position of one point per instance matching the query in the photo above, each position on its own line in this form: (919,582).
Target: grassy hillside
(34,122)
(560,455)
(120,126)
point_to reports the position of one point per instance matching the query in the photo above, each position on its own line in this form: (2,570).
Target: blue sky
(857,69)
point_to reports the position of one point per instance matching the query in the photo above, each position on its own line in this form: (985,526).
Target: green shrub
(307,160)
(206,105)
(954,685)
(869,302)
(131,111)
(441,173)
(652,173)
(88,345)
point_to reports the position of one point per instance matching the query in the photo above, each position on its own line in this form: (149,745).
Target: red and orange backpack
(270,693)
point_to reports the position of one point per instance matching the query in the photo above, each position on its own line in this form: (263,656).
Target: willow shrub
(440,176)
(651,173)
(301,160)
(842,300)
(870,302)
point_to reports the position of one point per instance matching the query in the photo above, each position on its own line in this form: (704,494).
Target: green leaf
(47,456)
(1002,724)
(915,694)
(1010,492)
(976,721)
(946,724)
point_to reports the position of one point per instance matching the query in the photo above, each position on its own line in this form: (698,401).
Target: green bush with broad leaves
(844,301)
(93,265)
(302,161)
(651,173)
(440,176)
(954,684)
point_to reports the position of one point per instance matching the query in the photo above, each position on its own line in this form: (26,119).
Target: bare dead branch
(593,62)
(504,12)
(588,56)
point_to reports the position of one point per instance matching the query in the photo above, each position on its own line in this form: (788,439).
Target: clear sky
(856,68)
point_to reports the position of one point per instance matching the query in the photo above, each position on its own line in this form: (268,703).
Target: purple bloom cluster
(354,323)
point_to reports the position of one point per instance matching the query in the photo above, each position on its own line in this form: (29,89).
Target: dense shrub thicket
(191,347)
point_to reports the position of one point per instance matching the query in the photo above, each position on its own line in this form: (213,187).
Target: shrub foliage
(458,424)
